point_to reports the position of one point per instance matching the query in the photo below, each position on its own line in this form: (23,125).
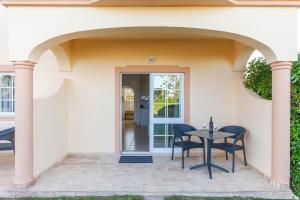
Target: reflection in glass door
(166,108)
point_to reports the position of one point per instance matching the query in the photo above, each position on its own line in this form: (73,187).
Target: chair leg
(244,152)
(173,149)
(204,160)
(13,147)
(188,153)
(182,158)
(226,154)
(233,161)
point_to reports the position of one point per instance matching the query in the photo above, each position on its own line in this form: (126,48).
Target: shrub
(258,78)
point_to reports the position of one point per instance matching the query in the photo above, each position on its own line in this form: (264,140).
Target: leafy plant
(258,78)
(295,128)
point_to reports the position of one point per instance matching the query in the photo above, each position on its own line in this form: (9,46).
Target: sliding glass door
(166,109)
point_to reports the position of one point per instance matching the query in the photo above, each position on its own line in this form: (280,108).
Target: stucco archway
(243,46)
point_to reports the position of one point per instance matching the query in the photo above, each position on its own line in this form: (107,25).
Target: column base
(24,185)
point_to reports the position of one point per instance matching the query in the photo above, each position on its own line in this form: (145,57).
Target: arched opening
(128,103)
(212,57)
(256,54)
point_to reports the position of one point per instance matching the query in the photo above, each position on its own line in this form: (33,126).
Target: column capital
(23,65)
(278,65)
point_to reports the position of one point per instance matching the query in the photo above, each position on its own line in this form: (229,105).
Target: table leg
(220,168)
(209,164)
(209,158)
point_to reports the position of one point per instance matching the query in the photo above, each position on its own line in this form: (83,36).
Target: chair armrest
(239,137)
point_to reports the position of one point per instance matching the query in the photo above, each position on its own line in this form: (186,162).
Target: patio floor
(100,174)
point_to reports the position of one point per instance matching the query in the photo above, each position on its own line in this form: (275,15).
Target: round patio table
(210,137)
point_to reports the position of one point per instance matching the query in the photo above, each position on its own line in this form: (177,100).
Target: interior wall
(91,95)
(255,114)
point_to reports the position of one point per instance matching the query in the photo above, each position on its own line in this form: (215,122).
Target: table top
(204,133)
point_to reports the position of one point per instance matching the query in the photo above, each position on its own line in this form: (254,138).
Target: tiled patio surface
(6,171)
(100,174)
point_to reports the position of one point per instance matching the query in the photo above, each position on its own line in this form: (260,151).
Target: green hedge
(258,78)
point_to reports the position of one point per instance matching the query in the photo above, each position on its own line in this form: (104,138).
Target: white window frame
(154,120)
(13,88)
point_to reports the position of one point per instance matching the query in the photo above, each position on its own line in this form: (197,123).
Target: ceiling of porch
(144,33)
(153,2)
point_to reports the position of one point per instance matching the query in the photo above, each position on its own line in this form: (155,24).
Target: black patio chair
(180,140)
(232,147)
(7,135)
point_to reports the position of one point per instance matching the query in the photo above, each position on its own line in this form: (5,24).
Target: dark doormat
(136,159)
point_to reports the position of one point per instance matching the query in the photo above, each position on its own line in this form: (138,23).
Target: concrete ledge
(255,194)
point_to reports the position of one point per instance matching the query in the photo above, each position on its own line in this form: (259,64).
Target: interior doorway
(135,113)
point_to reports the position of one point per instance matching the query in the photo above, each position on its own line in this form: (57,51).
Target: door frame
(142,69)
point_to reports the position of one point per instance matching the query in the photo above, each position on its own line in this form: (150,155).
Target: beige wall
(255,114)
(50,114)
(91,100)
(50,130)
(237,23)
(3,36)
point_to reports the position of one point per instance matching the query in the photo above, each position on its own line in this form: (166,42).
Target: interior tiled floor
(134,138)
(101,174)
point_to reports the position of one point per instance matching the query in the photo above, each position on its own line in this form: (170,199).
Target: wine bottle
(211,126)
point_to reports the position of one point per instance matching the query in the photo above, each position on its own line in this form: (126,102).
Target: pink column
(24,123)
(281,123)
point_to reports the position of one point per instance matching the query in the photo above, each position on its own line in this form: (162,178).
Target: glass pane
(6,93)
(159,96)
(6,106)
(170,81)
(6,81)
(159,142)
(174,111)
(159,82)
(160,111)
(163,129)
(169,141)
(174,82)
(163,135)
(173,96)
(170,129)
(159,129)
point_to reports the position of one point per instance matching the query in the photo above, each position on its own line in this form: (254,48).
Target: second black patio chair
(232,147)
(7,136)
(183,140)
